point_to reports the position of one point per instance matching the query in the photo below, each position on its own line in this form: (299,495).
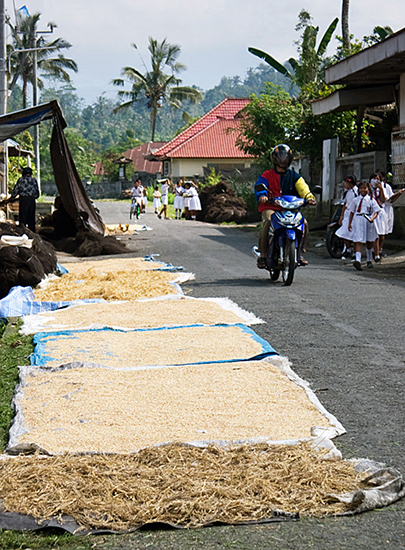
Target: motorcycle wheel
(289,262)
(274,274)
(334,244)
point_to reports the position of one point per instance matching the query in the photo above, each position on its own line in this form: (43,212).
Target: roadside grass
(46,540)
(14,350)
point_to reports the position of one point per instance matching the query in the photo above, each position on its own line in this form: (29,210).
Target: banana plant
(309,66)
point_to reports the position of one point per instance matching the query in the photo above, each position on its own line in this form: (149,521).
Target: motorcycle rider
(280,180)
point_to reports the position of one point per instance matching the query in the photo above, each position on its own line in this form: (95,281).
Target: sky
(213,34)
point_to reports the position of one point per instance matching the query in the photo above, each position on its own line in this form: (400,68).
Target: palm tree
(21,64)
(309,66)
(156,86)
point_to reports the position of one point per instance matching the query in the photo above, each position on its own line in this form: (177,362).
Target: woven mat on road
(141,314)
(90,409)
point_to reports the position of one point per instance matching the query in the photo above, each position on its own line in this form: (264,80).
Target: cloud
(214,34)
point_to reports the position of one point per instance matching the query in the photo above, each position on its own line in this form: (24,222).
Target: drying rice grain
(138,314)
(95,409)
(171,346)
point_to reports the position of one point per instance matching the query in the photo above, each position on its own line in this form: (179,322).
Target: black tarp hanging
(67,179)
(71,190)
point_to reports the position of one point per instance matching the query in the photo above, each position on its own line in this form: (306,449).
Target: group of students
(367,217)
(185,199)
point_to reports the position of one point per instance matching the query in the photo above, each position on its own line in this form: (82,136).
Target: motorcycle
(285,236)
(335,244)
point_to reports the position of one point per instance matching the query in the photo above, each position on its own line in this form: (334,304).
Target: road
(343,332)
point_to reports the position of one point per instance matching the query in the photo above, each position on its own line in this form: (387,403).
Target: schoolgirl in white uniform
(343,231)
(377,192)
(164,189)
(195,203)
(363,211)
(178,203)
(144,200)
(156,200)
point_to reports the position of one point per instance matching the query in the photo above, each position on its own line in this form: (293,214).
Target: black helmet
(282,156)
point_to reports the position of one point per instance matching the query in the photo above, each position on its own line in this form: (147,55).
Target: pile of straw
(109,285)
(175,484)
(112,264)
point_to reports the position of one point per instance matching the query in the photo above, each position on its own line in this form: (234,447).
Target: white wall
(187,168)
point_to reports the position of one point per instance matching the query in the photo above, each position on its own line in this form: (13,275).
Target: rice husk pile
(140,314)
(171,346)
(100,410)
(176,484)
(131,284)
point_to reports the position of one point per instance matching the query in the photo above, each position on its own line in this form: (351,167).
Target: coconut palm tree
(345,25)
(309,67)
(156,86)
(21,64)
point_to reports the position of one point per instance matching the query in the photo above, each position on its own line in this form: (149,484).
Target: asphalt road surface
(343,331)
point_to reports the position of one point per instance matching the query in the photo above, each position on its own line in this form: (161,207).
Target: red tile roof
(137,155)
(208,137)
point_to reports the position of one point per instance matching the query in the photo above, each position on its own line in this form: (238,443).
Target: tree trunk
(345,26)
(153,116)
(24,93)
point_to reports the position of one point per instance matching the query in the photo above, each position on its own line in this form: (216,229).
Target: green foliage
(213,178)
(311,62)
(83,151)
(18,540)
(312,130)
(16,164)
(270,118)
(15,350)
(68,99)
(378,35)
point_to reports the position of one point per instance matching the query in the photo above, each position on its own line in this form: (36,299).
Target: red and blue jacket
(281,183)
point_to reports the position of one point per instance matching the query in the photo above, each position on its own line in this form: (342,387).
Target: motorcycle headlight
(283,203)
(287,205)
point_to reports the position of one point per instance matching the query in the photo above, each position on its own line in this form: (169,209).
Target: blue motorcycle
(285,236)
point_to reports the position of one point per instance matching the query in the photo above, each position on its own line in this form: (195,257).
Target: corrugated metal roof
(207,137)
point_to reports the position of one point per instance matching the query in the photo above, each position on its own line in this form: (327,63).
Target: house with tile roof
(208,143)
(138,157)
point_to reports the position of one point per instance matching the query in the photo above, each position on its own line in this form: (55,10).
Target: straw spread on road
(176,484)
(112,410)
(104,410)
(131,284)
(138,314)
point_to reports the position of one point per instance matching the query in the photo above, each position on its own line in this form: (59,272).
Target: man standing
(27,190)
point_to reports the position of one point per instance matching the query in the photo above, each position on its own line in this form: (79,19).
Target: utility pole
(3,88)
(35,95)
(34,103)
